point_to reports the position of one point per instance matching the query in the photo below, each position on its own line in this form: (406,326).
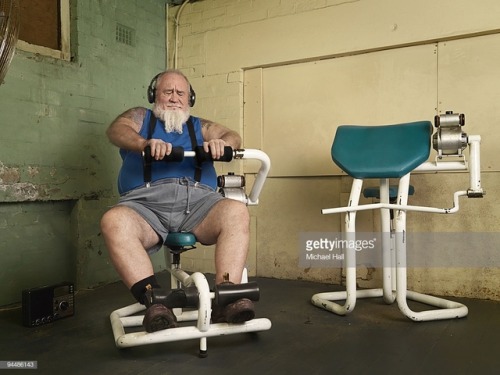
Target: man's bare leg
(227,225)
(127,235)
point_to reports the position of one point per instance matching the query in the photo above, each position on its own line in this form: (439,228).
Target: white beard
(173,119)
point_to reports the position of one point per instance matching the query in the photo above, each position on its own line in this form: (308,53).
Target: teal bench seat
(386,151)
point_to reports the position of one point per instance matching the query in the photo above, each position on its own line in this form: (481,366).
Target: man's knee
(236,218)
(111,217)
(122,224)
(110,224)
(235,210)
(115,220)
(107,220)
(226,215)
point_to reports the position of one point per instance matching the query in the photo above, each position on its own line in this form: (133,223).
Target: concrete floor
(375,338)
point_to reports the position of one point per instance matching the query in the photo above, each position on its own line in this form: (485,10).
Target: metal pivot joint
(449,139)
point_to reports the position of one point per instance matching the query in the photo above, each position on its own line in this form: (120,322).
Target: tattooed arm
(217,136)
(124,133)
(124,130)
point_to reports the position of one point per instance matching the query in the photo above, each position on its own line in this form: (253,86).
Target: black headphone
(152,91)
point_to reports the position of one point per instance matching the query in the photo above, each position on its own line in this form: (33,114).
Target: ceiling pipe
(176,42)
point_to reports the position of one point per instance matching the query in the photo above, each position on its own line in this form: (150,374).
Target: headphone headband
(152,91)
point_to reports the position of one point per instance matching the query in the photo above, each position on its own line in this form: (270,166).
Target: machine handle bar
(178,154)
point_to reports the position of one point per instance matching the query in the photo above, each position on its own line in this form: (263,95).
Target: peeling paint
(20,183)
(9,175)
(22,191)
(33,171)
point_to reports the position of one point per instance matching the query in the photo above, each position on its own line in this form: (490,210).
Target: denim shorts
(171,205)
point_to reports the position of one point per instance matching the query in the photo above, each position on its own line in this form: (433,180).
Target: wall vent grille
(125,35)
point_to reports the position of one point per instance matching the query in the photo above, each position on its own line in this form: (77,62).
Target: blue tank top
(131,173)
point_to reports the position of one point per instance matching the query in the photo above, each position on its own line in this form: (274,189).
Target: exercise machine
(193,289)
(395,152)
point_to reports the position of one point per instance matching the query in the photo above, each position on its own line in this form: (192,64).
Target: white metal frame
(129,316)
(394,270)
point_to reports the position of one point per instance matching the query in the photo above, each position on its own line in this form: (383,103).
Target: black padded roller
(229,293)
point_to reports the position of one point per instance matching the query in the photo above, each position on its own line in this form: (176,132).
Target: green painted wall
(57,169)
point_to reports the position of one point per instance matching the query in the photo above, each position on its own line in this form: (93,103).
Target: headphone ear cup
(151,95)
(192,96)
(152,89)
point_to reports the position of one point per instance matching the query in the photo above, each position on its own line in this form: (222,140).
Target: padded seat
(180,241)
(388,151)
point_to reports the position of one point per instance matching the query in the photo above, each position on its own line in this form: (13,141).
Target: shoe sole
(157,318)
(240,311)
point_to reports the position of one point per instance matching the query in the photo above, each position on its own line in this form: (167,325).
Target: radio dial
(64,305)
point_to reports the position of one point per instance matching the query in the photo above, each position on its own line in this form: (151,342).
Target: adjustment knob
(64,305)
